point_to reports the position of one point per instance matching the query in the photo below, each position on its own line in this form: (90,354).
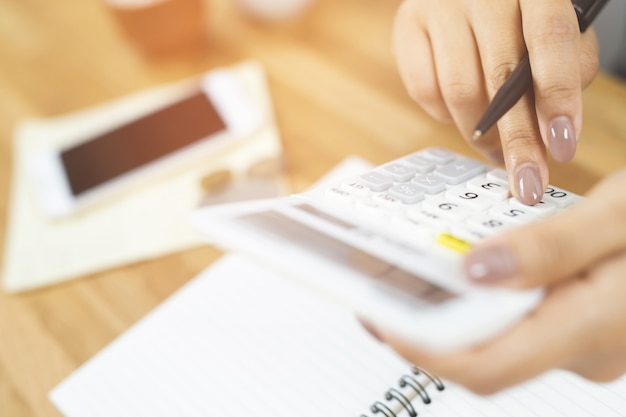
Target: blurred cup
(274,10)
(161,26)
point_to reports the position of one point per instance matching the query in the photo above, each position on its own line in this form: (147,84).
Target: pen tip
(477,134)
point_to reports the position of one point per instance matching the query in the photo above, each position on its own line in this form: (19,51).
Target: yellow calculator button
(454,243)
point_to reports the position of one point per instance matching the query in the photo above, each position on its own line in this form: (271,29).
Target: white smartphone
(212,116)
(389,244)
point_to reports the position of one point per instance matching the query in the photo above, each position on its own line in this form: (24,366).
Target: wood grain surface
(336,92)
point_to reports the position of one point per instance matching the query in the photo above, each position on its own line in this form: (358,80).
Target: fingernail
(370,329)
(528,184)
(490,265)
(562,139)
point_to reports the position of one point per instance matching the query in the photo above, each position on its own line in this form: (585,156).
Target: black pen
(521,80)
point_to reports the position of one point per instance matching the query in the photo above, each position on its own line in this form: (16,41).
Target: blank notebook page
(240,341)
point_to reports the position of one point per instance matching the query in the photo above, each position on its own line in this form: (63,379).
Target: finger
(413,53)
(510,358)
(552,37)
(589,57)
(524,151)
(604,342)
(543,253)
(601,367)
(462,86)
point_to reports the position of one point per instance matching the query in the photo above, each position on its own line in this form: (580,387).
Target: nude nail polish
(490,265)
(562,139)
(528,183)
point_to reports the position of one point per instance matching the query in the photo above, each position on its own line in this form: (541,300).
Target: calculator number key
(487,225)
(560,198)
(495,190)
(516,215)
(541,209)
(472,200)
(446,209)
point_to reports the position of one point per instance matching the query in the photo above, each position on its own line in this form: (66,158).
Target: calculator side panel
(417,309)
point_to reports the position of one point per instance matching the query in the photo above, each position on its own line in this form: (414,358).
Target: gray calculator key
(421,164)
(408,193)
(439,156)
(459,171)
(430,184)
(376,181)
(399,172)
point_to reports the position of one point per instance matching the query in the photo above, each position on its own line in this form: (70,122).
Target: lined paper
(238,341)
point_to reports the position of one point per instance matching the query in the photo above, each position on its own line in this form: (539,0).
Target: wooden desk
(335,90)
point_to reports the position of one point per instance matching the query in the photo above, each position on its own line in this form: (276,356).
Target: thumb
(555,249)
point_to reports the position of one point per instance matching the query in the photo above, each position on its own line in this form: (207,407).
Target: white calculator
(389,244)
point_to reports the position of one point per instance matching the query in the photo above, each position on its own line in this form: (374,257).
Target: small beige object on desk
(160,26)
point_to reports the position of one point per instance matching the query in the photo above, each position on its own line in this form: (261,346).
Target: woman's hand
(453,55)
(580,256)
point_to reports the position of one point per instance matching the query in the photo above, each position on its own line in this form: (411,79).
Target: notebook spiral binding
(411,386)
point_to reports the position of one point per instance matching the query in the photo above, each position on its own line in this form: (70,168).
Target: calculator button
(436,222)
(541,209)
(514,214)
(498,175)
(488,225)
(408,193)
(495,190)
(376,181)
(460,170)
(356,189)
(445,208)
(461,231)
(560,198)
(421,164)
(454,243)
(474,200)
(430,184)
(438,155)
(387,201)
(399,172)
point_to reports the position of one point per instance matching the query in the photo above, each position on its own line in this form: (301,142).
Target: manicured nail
(370,329)
(562,139)
(490,265)
(528,183)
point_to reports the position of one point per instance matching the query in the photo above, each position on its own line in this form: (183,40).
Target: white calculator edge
(354,238)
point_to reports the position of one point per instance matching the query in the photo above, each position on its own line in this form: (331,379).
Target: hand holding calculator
(389,244)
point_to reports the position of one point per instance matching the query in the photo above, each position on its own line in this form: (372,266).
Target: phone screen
(119,151)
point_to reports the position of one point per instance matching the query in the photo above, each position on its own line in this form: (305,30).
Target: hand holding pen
(455,55)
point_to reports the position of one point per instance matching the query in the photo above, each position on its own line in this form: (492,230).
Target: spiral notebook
(240,341)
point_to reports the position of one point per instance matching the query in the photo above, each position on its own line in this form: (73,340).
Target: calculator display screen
(380,271)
